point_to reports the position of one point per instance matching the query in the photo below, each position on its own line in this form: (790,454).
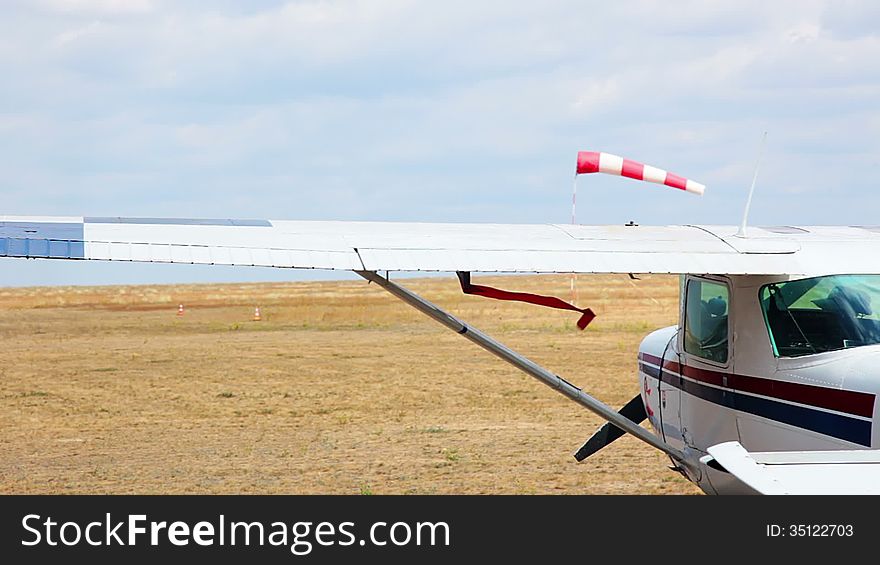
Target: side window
(705,325)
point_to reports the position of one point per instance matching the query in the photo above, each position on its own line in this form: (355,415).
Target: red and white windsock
(597,162)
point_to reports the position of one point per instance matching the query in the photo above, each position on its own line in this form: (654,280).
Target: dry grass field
(339,389)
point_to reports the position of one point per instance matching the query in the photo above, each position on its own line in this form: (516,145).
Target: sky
(454,111)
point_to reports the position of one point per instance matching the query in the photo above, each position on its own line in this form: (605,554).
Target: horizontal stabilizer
(800,472)
(633,411)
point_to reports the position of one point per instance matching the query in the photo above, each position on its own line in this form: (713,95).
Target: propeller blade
(633,411)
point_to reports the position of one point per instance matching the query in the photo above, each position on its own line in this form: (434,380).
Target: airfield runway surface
(339,388)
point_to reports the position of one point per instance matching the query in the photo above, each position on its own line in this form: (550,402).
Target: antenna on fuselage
(742,226)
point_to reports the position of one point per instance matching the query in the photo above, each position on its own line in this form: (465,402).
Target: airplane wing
(802,472)
(388,246)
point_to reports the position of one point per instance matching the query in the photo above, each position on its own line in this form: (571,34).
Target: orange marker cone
(180,310)
(257,316)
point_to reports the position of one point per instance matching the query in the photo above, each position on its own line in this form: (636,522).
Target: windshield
(822,313)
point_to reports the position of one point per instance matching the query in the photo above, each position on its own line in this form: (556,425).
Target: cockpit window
(705,327)
(822,313)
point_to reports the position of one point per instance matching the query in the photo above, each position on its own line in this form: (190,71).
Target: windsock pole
(574,194)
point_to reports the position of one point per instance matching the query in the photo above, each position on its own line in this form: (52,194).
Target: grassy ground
(339,389)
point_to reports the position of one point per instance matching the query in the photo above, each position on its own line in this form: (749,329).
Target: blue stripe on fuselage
(834,425)
(51,240)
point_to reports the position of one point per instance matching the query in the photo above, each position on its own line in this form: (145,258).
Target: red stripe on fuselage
(846,401)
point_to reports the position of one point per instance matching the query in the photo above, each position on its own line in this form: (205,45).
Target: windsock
(597,162)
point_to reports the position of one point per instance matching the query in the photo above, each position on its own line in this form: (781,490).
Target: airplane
(768,384)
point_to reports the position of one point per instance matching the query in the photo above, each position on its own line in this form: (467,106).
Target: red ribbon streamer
(498,294)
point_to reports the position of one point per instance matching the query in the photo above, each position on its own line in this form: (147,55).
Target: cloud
(94,7)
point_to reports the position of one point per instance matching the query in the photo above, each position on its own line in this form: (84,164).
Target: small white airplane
(768,384)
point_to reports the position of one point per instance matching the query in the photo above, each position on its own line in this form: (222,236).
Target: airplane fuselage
(732,371)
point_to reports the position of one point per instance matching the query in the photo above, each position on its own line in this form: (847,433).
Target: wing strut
(522,363)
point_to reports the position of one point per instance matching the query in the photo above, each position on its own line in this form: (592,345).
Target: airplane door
(670,396)
(707,415)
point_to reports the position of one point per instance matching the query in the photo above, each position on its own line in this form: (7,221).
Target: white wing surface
(802,472)
(381,246)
